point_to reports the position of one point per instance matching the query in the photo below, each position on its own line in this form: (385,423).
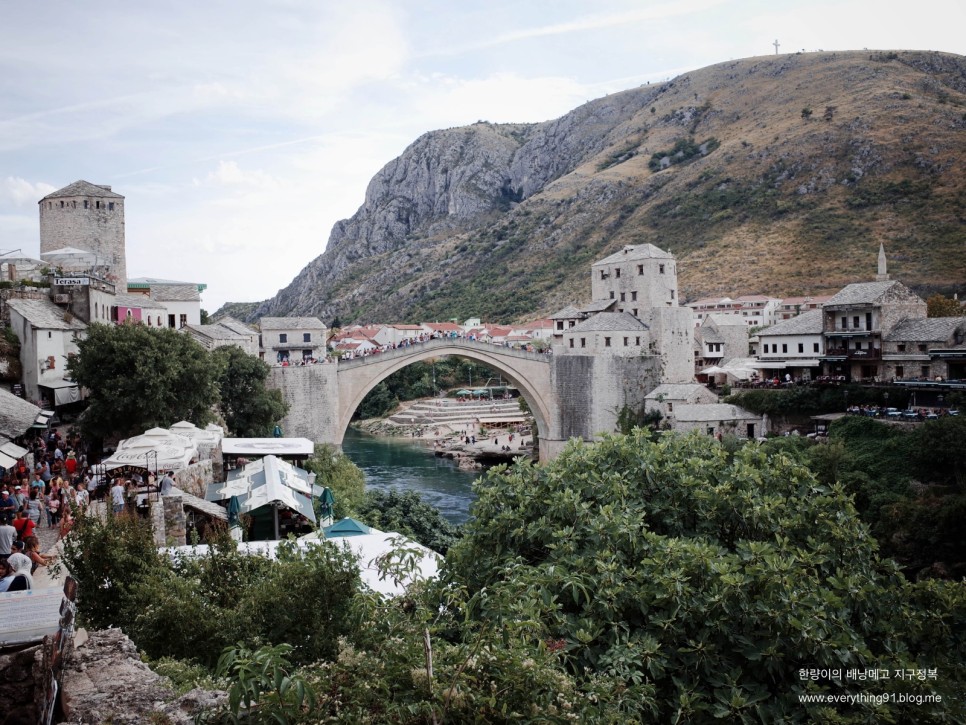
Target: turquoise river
(404,464)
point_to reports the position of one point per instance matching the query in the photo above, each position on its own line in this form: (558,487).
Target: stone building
(855,321)
(292,339)
(926,349)
(48,336)
(792,347)
(89,217)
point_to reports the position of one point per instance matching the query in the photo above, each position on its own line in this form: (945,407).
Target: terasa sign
(71,281)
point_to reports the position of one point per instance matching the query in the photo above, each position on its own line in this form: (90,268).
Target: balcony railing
(874,354)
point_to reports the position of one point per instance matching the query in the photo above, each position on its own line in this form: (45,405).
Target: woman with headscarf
(6,575)
(20,567)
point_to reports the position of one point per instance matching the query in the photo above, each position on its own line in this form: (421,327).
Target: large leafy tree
(712,578)
(141,377)
(249,408)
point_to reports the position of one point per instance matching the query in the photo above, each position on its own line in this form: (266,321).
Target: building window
(634,312)
(899,371)
(672,294)
(670,407)
(925,371)
(626,341)
(606,342)
(110,206)
(171,321)
(183,320)
(710,430)
(86,203)
(637,341)
(623,296)
(855,322)
(573,322)
(571,342)
(845,323)
(283,337)
(801,347)
(901,347)
(583,342)
(814,347)
(617,273)
(922,348)
(633,296)
(306,337)
(766,347)
(612,294)
(640,270)
(603,274)
(560,324)
(784,347)
(660,268)
(97,204)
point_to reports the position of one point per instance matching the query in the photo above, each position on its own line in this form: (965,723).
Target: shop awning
(301,447)
(65,391)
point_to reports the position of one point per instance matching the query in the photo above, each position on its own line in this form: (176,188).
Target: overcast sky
(240,131)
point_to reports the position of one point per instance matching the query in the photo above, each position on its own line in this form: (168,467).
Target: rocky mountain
(776,175)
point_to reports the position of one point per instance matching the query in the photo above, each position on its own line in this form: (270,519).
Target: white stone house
(668,397)
(222,333)
(718,339)
(717,418)
(792,347)
(48,336)
(181,300)
(292,339)
(614,333)
(751,310)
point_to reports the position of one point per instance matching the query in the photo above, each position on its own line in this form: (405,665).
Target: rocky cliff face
(773,175)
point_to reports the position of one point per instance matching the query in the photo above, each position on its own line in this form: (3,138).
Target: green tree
(405,512)
(334,470)
(249,408)
(714,578)
(141,377)
(940,306)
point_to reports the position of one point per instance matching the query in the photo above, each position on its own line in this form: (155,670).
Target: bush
(713,578)
(406,513)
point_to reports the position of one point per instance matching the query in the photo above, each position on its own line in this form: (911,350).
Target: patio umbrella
(234,508)
(328,502)
(464,391)
(481,392)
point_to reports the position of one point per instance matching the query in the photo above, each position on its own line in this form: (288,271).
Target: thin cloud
(591,22)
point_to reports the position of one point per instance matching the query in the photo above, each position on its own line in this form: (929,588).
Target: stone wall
(195,478)
(174,525)
(312,394)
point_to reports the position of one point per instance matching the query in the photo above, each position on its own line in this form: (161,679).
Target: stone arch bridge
(570,395)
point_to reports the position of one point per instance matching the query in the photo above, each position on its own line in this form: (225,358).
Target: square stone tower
(89,217)
(638,277)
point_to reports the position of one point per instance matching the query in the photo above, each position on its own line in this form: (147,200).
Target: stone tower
(883,275)
(637,278)
(89,217)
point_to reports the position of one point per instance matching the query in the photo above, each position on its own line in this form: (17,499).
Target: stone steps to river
(432,412)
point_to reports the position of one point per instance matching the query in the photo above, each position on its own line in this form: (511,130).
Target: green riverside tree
(250,409)
(715,578)
(141,377)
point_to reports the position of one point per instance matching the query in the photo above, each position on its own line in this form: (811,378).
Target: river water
(403,464)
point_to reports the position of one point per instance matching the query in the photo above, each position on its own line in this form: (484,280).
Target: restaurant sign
(71,281)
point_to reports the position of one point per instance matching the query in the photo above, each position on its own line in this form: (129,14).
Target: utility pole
(776,46)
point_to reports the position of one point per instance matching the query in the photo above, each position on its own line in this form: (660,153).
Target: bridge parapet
(443,342)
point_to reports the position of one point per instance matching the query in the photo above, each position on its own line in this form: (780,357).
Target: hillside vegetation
(776,175)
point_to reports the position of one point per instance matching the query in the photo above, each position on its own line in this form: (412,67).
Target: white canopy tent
(170,451)
(369,550)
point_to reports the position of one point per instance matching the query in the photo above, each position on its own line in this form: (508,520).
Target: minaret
(882,276)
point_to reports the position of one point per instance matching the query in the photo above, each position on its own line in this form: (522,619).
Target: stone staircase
(445,411)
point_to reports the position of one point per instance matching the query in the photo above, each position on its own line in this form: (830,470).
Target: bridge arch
(529,373)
